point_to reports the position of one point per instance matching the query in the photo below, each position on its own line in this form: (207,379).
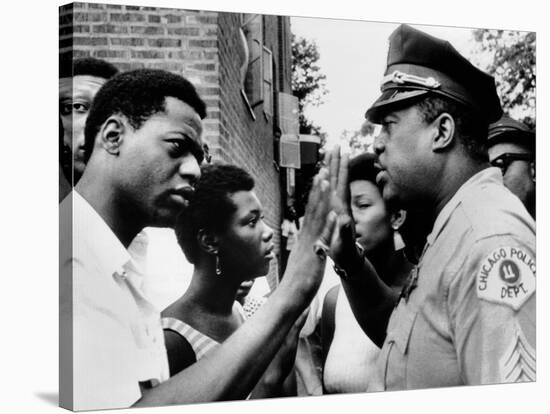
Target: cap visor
(390,98)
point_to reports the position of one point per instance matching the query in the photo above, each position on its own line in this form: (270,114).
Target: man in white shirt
(143,150)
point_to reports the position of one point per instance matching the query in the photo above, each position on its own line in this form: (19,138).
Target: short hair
(362,167)
(86,66)
(138,94)
(210,208)
(470,127)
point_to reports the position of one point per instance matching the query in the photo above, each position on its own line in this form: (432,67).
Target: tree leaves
(513,64)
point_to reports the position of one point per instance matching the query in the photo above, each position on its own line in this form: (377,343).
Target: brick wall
(200,45)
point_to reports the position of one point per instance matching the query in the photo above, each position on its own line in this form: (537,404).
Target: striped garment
(201,343)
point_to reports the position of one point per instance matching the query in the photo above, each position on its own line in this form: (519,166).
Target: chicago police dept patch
(507,276)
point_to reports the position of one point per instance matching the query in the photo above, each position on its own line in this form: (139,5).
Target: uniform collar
(487,175)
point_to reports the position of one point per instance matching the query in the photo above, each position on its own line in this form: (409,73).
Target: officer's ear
(111,134)
(208,241)
(444,132)
(533,171)
(397,219)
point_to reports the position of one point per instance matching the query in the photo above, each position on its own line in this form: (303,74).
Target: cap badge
(401,78)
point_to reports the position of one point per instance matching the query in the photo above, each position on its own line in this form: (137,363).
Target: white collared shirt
(117,335)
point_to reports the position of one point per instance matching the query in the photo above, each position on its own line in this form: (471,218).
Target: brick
(81,54)
(127,17)
(205,66)
(211,79)
(67,8)
(171,18)
(148,30)
(208,19)
(169,66)
(127,41)
(79,28)
(184,31)
(208,90)
(179,55)
(132,8)
(96,6)
(90,41)
(147,54)
(202,43)
(213,114)
(65,42)
(65,31)
(113,54)
(66,19)
(124,66)
(152,18)
(164,42)
(114,6)
(210,55)
(89,17)
(110,28)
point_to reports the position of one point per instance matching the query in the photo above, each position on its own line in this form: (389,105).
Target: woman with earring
(223,233)
(348,355)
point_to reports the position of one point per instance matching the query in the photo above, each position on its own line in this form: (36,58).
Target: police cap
(507,129)
(419,64)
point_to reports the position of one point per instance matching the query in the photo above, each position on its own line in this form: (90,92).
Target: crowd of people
(416,262)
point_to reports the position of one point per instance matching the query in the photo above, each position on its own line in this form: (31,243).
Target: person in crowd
(348,354)
(155,249)
(79,81)
(289,231)
(223,234)
(467,313)
(143,149)
(512,149)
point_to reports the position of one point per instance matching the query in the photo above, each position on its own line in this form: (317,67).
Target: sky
(353,58)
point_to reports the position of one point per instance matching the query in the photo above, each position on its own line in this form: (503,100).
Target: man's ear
(111,134)
(533,171)
(208,242)
(444,134)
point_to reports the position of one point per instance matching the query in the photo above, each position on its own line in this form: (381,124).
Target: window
(257,85)
(268,81)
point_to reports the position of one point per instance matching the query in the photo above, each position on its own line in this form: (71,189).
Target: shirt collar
(491,174)
(100,241)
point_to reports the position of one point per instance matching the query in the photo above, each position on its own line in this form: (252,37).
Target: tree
(308,83)
(511,60)
(361,140)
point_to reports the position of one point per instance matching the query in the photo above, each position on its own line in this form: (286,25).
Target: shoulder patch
(507,276)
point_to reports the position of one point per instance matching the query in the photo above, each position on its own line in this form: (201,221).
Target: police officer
(512,149)
(467,313)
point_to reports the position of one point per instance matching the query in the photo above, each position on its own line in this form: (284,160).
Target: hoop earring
(218,267)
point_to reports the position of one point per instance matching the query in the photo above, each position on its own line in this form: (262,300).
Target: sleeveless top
(202,344)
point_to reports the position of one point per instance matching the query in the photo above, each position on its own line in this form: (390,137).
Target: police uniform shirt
(471,318)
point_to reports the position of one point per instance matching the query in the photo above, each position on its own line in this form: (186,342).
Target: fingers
(342,188)
(346,230)
(334,166)
(318,203)
(326,235)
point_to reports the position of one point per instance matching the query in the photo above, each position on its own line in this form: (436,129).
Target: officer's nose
(379,144)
